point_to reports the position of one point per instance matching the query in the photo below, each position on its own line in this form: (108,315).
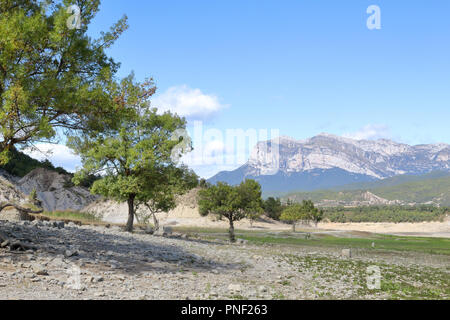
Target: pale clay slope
(52,189)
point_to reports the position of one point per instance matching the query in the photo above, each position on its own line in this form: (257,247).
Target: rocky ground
(86,262)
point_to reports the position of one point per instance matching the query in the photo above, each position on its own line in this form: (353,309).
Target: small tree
(317,216)
(33,196)
(304,212)
(163,193)
(231,202)
(293,214)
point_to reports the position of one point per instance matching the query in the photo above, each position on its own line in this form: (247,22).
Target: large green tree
(136,158)
(232,202)
(53,77)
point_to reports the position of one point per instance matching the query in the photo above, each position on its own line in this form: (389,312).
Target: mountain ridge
(286,163)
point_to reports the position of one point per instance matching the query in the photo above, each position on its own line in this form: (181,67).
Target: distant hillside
(418,190)
(393,181)
(20,165)
(327,162)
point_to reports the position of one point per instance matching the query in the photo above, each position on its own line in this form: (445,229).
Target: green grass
(382,242)
(72,215)
(361,240)
(397,282)
(386,214)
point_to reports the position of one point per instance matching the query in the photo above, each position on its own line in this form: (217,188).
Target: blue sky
(302,67)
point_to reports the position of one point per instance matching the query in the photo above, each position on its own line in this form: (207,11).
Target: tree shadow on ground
(124,253)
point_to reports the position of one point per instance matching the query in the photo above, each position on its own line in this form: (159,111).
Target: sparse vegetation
(305,212)
(386,214)
(20,164)
(396,281)
(431,188)
(72,215)
(383,242)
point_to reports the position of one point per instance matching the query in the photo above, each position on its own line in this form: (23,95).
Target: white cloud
(58,155)
(370,132)
(188,102)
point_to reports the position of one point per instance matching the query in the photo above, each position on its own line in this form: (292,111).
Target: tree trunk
(130,201)
(293,226)
(155,221)
(231,231)
(19,208)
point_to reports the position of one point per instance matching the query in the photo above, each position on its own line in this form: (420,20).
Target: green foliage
(33,195)
(52,77)
(232,202)
(305,212)
(136,157)
(72,215)
(250,199)
(386,214)
(20,164)
(160,196)
(293,213)
(435,189)
(273,207)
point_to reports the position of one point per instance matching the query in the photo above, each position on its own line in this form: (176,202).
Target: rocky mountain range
(324,161)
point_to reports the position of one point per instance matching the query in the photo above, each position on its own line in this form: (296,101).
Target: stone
(160,233)
(70,253)
(58,224)
(97,279)
(149,230)
(41,271)
(37,223)
(262,289)
(4,244)
(347,253)
(167,230)
(234,288)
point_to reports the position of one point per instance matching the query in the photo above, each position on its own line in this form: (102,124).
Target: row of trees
(386,214)
(304,212)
